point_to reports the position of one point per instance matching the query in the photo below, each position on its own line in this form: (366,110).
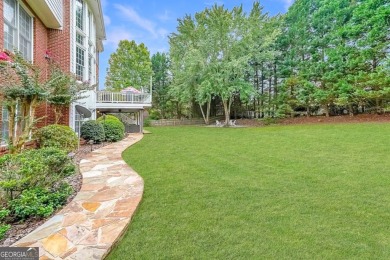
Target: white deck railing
(118,97)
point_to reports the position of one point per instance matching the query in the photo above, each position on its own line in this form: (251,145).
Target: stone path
(89,226)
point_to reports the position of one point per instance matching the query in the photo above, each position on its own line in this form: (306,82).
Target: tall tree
(187,63)
(161,82)
(211,54)
(130,65)
(339,46)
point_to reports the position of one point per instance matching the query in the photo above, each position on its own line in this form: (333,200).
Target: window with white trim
(85,43)
(78,122)
(80,14)
(80,40)
(18,29)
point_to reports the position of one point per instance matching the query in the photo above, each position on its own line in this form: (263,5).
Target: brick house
(66,32)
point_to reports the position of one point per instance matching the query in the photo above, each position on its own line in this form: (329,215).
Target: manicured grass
(295,192)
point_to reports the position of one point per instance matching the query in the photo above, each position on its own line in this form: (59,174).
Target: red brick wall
(40,47)
(55,42)
(59,41)
(41,39)
(58,45)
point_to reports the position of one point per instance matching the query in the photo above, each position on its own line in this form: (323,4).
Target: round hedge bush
(59,136)
(108,117)
(92,130)
(114,130)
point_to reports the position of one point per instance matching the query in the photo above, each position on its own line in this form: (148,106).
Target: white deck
(124,101)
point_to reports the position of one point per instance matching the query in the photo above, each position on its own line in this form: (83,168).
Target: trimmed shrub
(39,202)
(113,130)
(58,136)
(43,168)
(92,130)
(108,117)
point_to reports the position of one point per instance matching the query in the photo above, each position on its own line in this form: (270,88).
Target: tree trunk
(350,108)
(269,96)
(206,117)
(262,92)
(178,110)
(226,107)
(275,107)
(57,114)
(326,110)
(208,112)
(377,106)
(255,108)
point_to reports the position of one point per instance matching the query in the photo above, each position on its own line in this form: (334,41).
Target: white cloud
(162,32)
(115,35)
(107,20)
(166,16)
(287,3)
(130,14)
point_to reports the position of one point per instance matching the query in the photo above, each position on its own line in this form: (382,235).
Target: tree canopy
(130,65)
(211,54)
(322,57)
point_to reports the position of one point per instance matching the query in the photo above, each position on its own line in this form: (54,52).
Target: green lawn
(295,192)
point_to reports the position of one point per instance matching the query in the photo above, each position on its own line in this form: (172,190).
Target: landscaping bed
(19,230)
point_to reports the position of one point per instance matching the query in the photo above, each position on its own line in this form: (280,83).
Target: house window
(4,125)
(79,120)
(80,62)
(77,123)
(80,14)
(17,29)
(84,42)
(80,39)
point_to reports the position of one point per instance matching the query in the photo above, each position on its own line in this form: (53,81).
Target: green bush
(44,168)
(108,117)
(269,121)
(3,227)
(39,202)
(154,114)
(113,130)
(59,136)
(92,130)
(147,122)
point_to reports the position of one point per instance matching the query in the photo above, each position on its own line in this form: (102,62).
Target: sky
(152,21)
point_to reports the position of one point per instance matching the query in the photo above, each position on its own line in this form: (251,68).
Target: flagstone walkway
(88,227)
